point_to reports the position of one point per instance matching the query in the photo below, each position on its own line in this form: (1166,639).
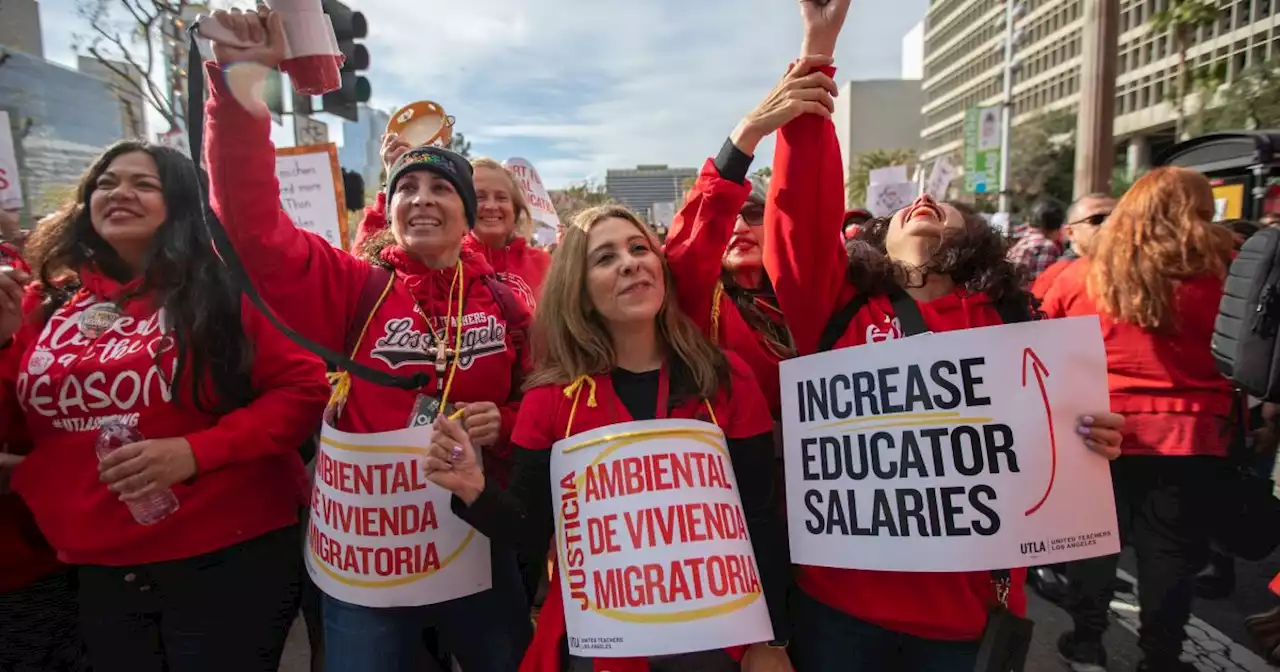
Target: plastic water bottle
(147,511)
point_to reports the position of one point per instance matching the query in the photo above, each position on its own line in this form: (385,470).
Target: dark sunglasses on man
(1093,220)
(752,214)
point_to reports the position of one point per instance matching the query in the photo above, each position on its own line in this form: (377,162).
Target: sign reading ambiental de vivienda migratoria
(949,452)
(652,542)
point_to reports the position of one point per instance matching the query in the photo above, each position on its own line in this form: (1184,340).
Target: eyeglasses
(1094,220)
(752,214)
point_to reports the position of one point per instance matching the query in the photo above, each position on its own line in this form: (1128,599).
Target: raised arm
(701,230)
(312,286)
(805,207)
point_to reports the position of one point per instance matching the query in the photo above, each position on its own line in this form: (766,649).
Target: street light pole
(1006,122)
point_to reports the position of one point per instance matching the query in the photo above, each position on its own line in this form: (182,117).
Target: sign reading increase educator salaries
(379,534)
(949,452)
(652,542)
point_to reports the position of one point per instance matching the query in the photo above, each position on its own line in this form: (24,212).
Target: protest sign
(652,542)
(949,452)
(541,209)
(10,184)
(311,190)
(940,178)
(381,535)
(889,190)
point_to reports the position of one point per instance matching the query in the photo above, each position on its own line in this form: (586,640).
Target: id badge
(425,410)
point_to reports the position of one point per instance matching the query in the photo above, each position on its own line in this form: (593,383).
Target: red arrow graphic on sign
(1031,361)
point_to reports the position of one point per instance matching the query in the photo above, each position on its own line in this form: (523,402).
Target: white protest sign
(541,208)
(889,175)
(940,179)
(381,535)
(885,199)
(652,542)
(311,190)
(949,452)
(10,184)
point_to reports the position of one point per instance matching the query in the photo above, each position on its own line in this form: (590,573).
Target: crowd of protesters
(127,318)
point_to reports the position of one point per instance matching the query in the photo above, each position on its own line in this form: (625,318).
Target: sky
(580,86)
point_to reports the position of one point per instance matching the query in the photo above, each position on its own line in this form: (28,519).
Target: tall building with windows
(964,57)
(642,187)
(361,149)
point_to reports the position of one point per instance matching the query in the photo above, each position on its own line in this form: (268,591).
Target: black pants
(1165,506)
(227,610)
(38,630)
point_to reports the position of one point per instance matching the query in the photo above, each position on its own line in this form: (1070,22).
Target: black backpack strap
(839,322)
(1013,312)
(908,313)
(370,298)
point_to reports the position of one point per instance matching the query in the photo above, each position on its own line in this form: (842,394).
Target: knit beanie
(449,165)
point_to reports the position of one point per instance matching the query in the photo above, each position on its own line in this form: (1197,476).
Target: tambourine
(422,123)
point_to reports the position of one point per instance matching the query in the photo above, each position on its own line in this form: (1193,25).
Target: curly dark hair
(973,257)
(182,270)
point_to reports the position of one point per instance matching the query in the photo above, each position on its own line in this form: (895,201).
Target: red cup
(314,75)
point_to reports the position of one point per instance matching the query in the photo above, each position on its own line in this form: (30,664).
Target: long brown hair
(570,339)
(1161,232)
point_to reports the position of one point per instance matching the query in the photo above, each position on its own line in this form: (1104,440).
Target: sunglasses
(752,214)
(1094,220)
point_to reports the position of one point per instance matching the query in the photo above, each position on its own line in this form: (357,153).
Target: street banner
(380,534)
(949,452)
(652,542)
(982,150)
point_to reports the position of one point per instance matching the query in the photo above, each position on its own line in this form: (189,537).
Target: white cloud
(579,86)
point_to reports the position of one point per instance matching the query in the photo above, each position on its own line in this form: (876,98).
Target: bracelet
(778,644)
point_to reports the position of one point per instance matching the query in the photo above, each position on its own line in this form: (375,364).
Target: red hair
(1161,232)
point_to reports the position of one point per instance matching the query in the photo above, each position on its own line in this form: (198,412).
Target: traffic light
(353,189)
(348,26)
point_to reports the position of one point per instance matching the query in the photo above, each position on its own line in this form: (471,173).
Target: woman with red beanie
(616,348)
(501,211)
(1154,277)
(417,301)
(949,266)
(185,538)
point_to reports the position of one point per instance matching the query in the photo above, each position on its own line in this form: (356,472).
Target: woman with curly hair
(1154,278)
(938,266)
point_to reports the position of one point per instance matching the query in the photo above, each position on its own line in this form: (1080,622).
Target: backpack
(908,313)
(1244,335)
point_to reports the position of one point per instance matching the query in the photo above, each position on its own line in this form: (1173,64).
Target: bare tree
(141,42)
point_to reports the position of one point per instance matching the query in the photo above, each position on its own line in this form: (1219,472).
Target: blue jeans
(486,632)
(827,640)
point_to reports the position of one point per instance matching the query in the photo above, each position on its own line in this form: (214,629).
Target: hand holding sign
(11,284)
(393,147)
(1102,433)
(451,461)
(483,420)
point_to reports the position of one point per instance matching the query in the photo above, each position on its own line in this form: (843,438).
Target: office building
(361,149)
(20,27)
(964,57)
(642,187)
(64,118)
(124,80)
(875,115)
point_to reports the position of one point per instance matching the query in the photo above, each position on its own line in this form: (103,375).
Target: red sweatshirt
(694,249)
(544,420)
(521,267)
(803,217)
(67,385)
(1167,385)
(315,289)
(1050,275)
(11,255)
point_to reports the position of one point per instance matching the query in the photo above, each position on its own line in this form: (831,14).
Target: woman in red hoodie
(947,263)
(501,212)
(617,349)
(1154,278)
(135,325)
(417,301)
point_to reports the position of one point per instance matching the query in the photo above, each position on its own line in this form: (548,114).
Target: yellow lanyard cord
(460,282)
(341,380)
(716,296)
(574,391)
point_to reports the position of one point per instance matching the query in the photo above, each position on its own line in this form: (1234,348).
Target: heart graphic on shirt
(39,362)
(890,331)
(159,346)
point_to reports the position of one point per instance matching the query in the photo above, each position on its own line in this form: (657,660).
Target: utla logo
(1033,547)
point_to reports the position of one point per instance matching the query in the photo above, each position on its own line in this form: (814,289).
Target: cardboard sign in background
(949,452)
(311,191)
(651,541)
